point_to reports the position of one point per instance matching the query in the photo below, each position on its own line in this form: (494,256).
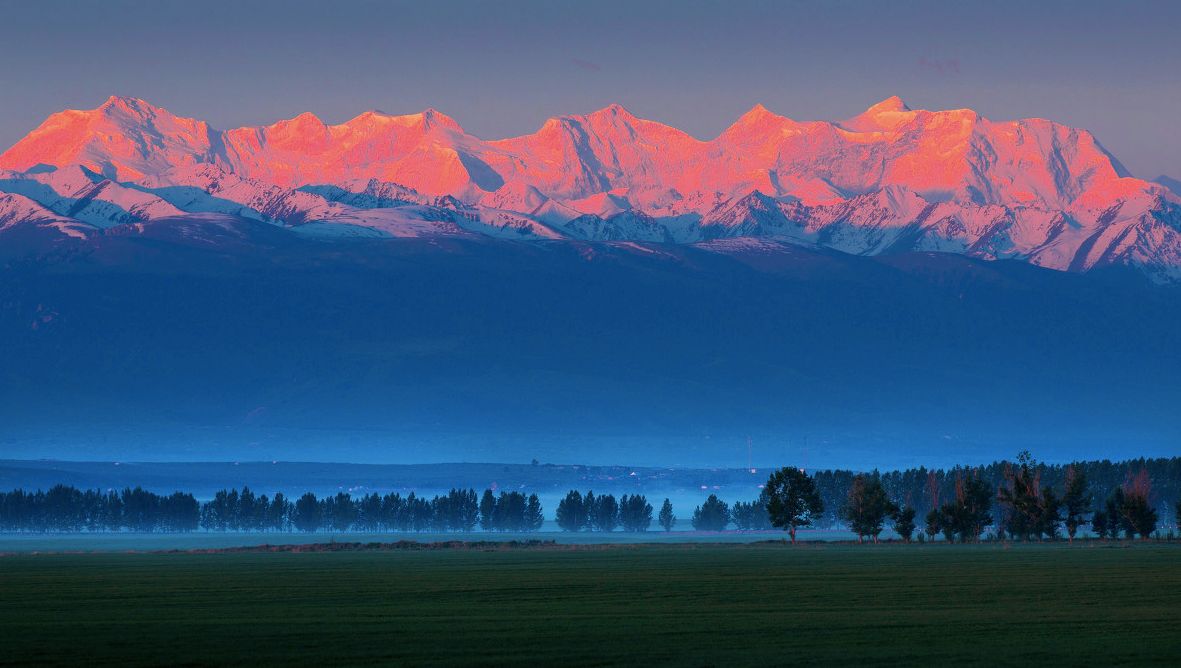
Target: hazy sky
(501,68)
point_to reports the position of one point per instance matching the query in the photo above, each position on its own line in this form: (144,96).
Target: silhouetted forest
(925,489)
(1020,500)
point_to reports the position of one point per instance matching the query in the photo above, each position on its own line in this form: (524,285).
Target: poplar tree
(668,520)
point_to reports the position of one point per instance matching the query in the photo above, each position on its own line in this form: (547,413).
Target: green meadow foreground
(701,604)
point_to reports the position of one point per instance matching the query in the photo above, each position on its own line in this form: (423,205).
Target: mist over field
(609,333)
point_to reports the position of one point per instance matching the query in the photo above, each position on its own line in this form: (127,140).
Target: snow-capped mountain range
(888,180)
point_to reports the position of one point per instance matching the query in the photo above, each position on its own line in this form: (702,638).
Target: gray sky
(501,68)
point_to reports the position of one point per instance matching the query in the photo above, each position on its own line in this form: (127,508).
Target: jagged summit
(613,110)
(888,114)
(889,178)
(123,103)
(612,114)
(432,118)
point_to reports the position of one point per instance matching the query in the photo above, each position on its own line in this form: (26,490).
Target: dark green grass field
(639,604)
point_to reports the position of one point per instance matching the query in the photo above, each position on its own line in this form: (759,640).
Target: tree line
(1022,500)
(633,513)
(1025,504)
(1031,501)
(927,489)
(67,509)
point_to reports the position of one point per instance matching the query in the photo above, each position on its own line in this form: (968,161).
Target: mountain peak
(122,101)
(305,118)
(428,118)
(613,111)
(758,115)
(885,115)
(124,138)
(610,115)
(757,121)
(433,118)
(127,106)
(996,186)
(890,104)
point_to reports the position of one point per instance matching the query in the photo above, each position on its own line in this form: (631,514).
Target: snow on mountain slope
(211,189)
(427,151)
(954,154)
(623,226)
(369,194)
(410,221)
(573,157)
(891,179)
(76,192)
(508,225)
(382,208)
(19,213)
(123,139)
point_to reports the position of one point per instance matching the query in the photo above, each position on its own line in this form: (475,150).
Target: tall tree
(607,513)
(867,507)
(369,512)
(306,516)
(667,519)
(1076,499)
(751,515)
(463,510)
(904,523)
(1028,508)
(1051,515)
(1135,507)
(245,510)
(339,511)
(419,513)
(215,514)
(590,510)
(487,508)
(534,517)
(278,513)
(742,514)
(1115,520)
(510,511)
(181,512)
(571,514)
(713,515)
(968,514)
(140,509)
(792,500)
(934,523)
(1099,523)
(635,513)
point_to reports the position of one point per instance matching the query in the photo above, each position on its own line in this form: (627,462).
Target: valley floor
(686,604)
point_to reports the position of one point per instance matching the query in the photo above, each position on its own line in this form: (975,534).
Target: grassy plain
(684,605)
